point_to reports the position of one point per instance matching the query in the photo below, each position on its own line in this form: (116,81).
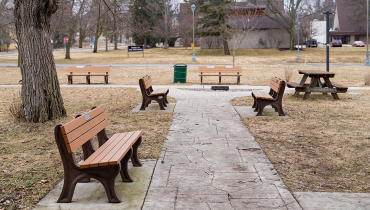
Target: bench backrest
(91,69)
(276,84)
(222,69)
(80,130)
(146,82)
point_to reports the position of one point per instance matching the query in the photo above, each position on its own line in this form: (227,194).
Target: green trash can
(179,73)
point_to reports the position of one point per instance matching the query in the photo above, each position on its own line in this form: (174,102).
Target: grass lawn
(323,147)
(30,164)
(214,56)
(254,74)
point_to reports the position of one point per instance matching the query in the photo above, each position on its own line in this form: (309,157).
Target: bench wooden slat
(88,75)
(79,131)
(85,69)
(114,159)
(111,150)
(262,95)
(147,82)
(159,91)
(204,75)
(275,84)
(70,126)
(88,135)
(88,162)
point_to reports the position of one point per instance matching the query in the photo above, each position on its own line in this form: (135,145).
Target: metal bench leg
(126,177)
(134,158)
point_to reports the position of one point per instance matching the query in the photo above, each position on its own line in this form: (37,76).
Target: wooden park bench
(103,164)
(88,71)
(273,98)
(159,95)
(220,71)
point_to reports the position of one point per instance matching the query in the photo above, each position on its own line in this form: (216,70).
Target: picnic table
(316,85)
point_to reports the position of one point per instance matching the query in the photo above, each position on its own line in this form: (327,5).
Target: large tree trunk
(115,40)
(226,47)
(41,97)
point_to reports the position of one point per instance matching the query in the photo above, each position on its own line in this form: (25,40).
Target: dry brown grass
(29,153)
(205,56)
(256,75)
(323,147)
(288,73)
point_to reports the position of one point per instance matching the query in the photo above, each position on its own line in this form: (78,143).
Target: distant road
(63,51)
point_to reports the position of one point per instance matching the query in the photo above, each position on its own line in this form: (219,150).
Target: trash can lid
(180,65)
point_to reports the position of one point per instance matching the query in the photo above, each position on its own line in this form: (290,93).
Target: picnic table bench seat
(339,86)
(274,97)
(220,71)
(159,94)
(294,85)
(102,164)
(88,71)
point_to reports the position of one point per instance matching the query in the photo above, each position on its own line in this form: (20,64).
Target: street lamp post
(367,63)
(298,10)
(193,9)
(327,38)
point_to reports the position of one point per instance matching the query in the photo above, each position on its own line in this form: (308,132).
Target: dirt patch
(323,147)
(30,164)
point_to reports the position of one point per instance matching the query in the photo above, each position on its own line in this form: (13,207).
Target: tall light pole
(298,10)
(193,9)
(367,63)
(327,38)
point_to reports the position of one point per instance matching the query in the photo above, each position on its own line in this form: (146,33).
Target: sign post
(138,48)
(65,42)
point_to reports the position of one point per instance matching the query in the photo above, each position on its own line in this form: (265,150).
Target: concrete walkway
(211,161)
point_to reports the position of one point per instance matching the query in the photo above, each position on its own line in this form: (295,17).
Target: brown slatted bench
(220,71)
(103,164)
(273,98)
(88,71)
(159,95)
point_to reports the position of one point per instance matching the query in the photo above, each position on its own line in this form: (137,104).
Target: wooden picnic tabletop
(316,73)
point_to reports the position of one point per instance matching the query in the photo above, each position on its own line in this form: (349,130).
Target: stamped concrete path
(211,161)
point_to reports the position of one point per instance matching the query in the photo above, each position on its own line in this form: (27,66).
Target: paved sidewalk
(211,161)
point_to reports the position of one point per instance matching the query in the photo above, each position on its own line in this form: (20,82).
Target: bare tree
(243,21)
(41,97)
(208,40)
(164,14)
(75,7)
(285,13)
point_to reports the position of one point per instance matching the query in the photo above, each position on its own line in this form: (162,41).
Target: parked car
(358,44)
(336,43)
(308,44)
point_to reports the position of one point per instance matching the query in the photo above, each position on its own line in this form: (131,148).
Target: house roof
(261,23)
(348,16)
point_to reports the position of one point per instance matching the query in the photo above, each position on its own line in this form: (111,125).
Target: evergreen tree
(213,20)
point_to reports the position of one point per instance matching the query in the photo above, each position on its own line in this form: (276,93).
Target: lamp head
(298,10)
(193,7)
